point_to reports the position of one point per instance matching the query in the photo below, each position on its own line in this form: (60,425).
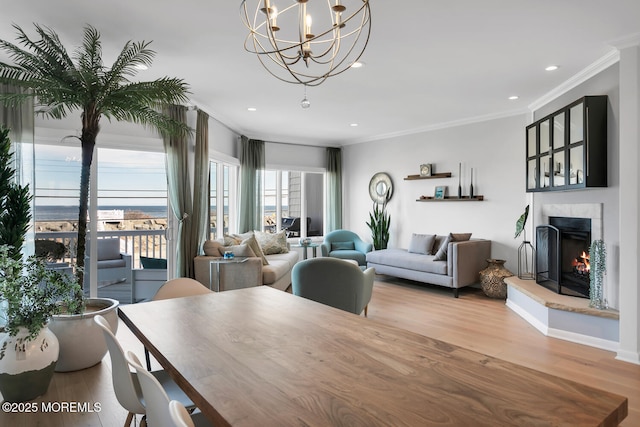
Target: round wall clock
(380,187)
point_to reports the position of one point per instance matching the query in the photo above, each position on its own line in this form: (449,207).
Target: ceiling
(428,63)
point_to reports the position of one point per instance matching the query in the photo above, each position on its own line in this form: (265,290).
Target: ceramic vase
(492,279)
(27,365)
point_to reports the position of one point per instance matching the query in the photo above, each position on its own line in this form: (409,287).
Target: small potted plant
(31,294)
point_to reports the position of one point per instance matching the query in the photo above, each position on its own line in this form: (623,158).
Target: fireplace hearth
(562,255)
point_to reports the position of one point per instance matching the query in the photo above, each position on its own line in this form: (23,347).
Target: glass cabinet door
(545,175)
(576,123)
(558,131)
(558,169)
(544,137)
(576,165)
(531,142)
(532,175)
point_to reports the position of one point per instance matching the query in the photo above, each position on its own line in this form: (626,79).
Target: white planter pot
(26,366)
(82,344)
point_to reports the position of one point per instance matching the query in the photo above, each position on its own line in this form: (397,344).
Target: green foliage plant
(64,83)
(15,210)
(521,222)
(379,222)
(31,293)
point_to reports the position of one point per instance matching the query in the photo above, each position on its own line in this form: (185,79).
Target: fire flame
(582,263)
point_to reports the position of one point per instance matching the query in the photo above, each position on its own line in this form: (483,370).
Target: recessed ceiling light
(140,67)
(252,109)
(357,64)
(353,125)
(514,97)
(551,68)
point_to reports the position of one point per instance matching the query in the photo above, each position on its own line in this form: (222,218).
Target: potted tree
(64,83)
(81,343)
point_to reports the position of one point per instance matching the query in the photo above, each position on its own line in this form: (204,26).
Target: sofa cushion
(342,246)
(108,249)
(358,256)
(272,243)
(422,243)
(402,259)
(236,239)
(153,263)
(212,247)
(255,247)
(279,265)
(237,250)
(441,255)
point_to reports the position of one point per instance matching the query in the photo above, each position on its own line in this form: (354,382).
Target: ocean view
(70,213)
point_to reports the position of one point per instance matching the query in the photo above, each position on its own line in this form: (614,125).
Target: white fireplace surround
(576,210)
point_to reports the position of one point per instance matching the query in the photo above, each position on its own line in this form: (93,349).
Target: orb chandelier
(306,42)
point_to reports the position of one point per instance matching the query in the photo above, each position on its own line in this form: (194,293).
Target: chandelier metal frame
(299,56)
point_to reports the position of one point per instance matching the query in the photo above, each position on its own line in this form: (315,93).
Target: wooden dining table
(263,357)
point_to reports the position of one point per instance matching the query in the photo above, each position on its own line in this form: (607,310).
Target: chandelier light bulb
(305,103)
(285,45)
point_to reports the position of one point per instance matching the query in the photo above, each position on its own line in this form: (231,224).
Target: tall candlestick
(471,185)
(459,181)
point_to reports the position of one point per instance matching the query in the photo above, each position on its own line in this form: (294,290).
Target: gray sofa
(460,267)
(252,272)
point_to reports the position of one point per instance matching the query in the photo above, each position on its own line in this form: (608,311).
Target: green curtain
(177,165)
(334,189)
(200,228)
(251,167)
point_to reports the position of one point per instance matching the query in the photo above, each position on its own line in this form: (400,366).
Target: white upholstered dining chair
(179,414)
(156,399)
(126,384)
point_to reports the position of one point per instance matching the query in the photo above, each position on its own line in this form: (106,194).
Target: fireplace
(562,255)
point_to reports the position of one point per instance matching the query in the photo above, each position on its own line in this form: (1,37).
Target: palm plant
(64,83)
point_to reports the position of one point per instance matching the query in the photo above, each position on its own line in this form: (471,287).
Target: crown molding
(439,126)
(626,41)
(592,70)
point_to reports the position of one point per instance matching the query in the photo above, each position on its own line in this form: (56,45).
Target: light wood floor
(472,321)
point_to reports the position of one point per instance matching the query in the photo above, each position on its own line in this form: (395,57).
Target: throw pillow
(211,247)
(236,239)
(153,263)
(238,250)
(342,246)
(422,243)
(272,243)
(441,255)
(255,247)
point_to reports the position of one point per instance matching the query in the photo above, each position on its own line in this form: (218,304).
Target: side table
(313,246)
(217,262)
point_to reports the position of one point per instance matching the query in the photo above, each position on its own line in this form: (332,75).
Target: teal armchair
(335,282)
(346,244)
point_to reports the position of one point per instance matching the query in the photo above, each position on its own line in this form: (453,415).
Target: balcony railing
(146,243)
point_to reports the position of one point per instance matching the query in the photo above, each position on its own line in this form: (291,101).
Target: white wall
(495,151)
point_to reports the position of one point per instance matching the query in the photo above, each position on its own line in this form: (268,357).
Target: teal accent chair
(335,282)
(346,244)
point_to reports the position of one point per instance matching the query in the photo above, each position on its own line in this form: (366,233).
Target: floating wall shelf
(451,199)
(433,176)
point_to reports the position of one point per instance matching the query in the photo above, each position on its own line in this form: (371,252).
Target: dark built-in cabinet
(568,149)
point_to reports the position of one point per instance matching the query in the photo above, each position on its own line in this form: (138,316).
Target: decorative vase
(82,344)
(526,261)
(27,366)
(492,279)
(598,259)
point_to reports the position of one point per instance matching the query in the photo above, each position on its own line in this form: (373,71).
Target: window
(132,198)
(222,197)
(291,195)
